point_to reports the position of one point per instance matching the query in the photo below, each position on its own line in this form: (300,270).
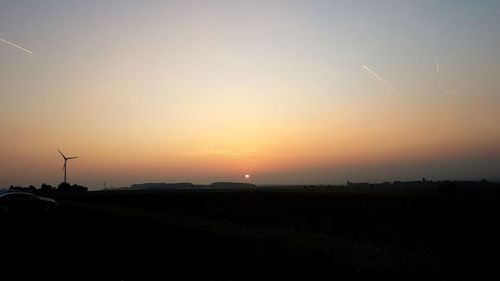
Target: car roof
(16,192)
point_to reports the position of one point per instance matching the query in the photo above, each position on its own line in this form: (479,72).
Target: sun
(247,176)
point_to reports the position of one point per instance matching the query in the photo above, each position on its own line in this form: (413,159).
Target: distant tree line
(187,185)
(47,188)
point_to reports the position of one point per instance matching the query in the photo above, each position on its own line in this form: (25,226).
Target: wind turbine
(65,164)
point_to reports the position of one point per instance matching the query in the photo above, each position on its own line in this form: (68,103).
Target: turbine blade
(72,157)
(62,154)
(64,167)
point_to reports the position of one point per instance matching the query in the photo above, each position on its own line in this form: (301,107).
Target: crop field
(257,235)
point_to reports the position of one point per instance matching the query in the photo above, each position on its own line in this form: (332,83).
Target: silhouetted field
(257,235)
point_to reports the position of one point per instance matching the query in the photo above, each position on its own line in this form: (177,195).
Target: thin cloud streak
(17,46)
(235,154)
(380,78)
(224,153)
(245,155)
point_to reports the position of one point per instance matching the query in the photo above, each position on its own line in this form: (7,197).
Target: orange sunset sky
(290,92)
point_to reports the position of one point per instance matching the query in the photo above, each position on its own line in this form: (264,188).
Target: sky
(289,92)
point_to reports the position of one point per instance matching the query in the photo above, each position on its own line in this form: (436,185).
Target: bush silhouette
(66,187)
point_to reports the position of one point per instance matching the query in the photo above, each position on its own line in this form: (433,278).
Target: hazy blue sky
(286,91)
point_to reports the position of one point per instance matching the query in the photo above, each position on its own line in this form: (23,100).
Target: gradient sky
(203,91)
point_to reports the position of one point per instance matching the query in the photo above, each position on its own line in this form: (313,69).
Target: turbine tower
(65,163)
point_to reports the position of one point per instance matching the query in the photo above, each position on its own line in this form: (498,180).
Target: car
(24,202)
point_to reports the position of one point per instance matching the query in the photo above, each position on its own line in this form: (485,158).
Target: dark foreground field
(257,235)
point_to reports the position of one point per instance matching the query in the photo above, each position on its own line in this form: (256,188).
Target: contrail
(17,46)
(380,78)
